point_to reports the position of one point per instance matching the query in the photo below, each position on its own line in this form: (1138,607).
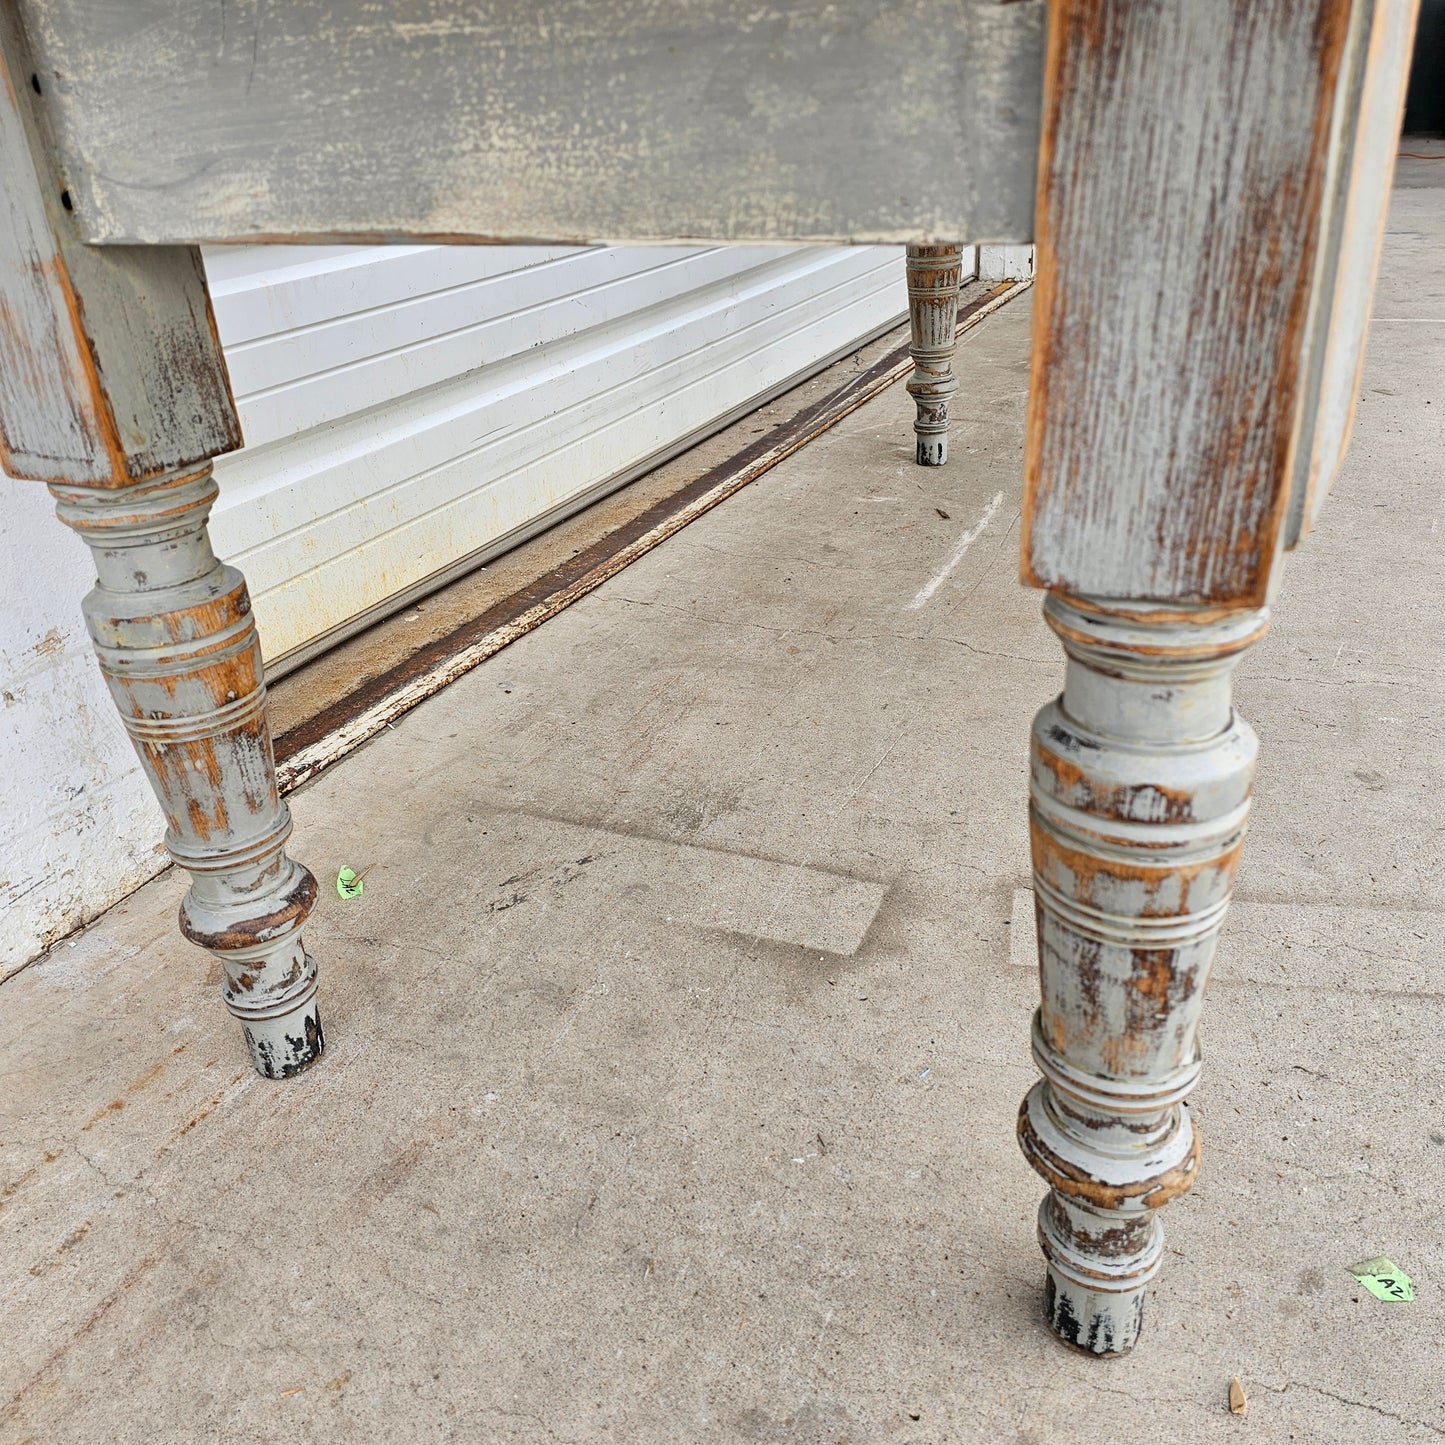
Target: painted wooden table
(1205,182)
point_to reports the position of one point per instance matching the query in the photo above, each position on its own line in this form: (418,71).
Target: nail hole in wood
(35,84)
(66,201)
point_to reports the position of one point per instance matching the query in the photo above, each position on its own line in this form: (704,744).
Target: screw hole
(66,201)
(35,84)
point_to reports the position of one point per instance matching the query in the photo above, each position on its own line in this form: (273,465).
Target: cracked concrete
(609,1145)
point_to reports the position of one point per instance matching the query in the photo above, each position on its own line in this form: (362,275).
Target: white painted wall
(405,409)
(1005,263)
(78,825)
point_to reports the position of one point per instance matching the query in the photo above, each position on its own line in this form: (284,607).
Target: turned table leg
(1139,792)
(1208,209)
(113,390)
(933,279)
(173,630)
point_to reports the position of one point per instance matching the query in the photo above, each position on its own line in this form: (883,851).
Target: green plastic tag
(348,885)
(1384,1279)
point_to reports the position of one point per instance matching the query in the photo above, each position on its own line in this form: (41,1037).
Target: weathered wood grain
(560,120)
(110,370)
(1182,167)
(1364,141)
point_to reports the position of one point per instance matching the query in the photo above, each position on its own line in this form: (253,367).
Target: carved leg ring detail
(933,275)
(1139,793)
(172,627)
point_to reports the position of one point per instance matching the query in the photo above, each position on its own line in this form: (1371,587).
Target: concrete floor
(677,1039)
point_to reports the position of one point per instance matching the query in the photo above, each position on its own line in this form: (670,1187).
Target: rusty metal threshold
(331,706)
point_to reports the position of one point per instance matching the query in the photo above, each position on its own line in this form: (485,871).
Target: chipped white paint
(1139,791)
(1179,222)
(1331,936)
(172,628)
(960,551)
(1194,252)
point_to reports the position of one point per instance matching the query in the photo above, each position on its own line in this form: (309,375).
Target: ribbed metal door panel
(411,410)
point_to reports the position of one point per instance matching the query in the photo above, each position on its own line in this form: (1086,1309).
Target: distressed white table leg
(933,279)
(173,629)
(113,390)
(1139,791)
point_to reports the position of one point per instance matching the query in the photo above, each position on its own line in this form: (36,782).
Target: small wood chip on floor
(1238,1403)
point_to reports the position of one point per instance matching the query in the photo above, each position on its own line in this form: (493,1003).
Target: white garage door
(411,410)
